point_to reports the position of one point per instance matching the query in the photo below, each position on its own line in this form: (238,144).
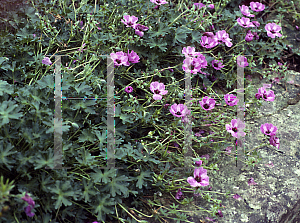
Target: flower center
(178,113)
(118,61)
(198,179)
(156,91)
(206,106)
(268,132)
(234,129)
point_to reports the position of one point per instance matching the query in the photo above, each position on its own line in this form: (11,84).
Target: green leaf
(88,190)
(142,177)
(63,193)
(5,87)
(4,153)
(9,110)
(86,135)
(162,30)
(118,185)
(104,177)
(102,206)
(181,35)
(85,157)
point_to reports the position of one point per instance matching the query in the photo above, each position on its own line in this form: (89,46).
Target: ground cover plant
(152,44)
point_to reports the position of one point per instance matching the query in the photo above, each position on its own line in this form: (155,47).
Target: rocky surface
(278,186)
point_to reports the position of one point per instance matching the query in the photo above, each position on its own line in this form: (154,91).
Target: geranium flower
(266,95)
(222,36)
(200,178)
(189,51)
(231,99)
(256,23)
(207,103)
(159,2)
(237,197)
(139,29)
(120,58)
(245,22)
(179,110)
(257,6)
(130,21)
(46,61)
(208,42)
(274,141)
(273,30)
(199,5)
(249,36)
(133,57)
(268,129)
(240,59)
(178,194)
(30,206)
(236,128)
(245,11)
(217,64)
(128,89)
(199,162)
(251,181)
(158,89)
(211,6)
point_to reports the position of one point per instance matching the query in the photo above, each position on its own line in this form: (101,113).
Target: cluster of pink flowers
(209,40)
(264,94)
(271,28)
(130,21)
(121,58)
(193,59)
(30,206)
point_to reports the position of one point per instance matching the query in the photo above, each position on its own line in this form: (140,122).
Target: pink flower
(133,57)
(178,194)
(30,206)
(268,129)
(34,35)
(139,29)
(240,59)
(128,89)
(220,214)
(211,6)
(249,36)
(266,95)
(189,51)
(251,181)
(130,21)
(120,58)
(270,164)
(257,6)
(274,141)
(195,64)
(208,42)
(231,99)
(245,22)
(236,128)
(217,64)
(158,89)
(200,178)
(46,61)
(273,30)
(222,36)
(159,2)
(207,103)
(199,5)
(228,150)
(199,162)
(237,197)
(256,23)
(179,110)
(245,11)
